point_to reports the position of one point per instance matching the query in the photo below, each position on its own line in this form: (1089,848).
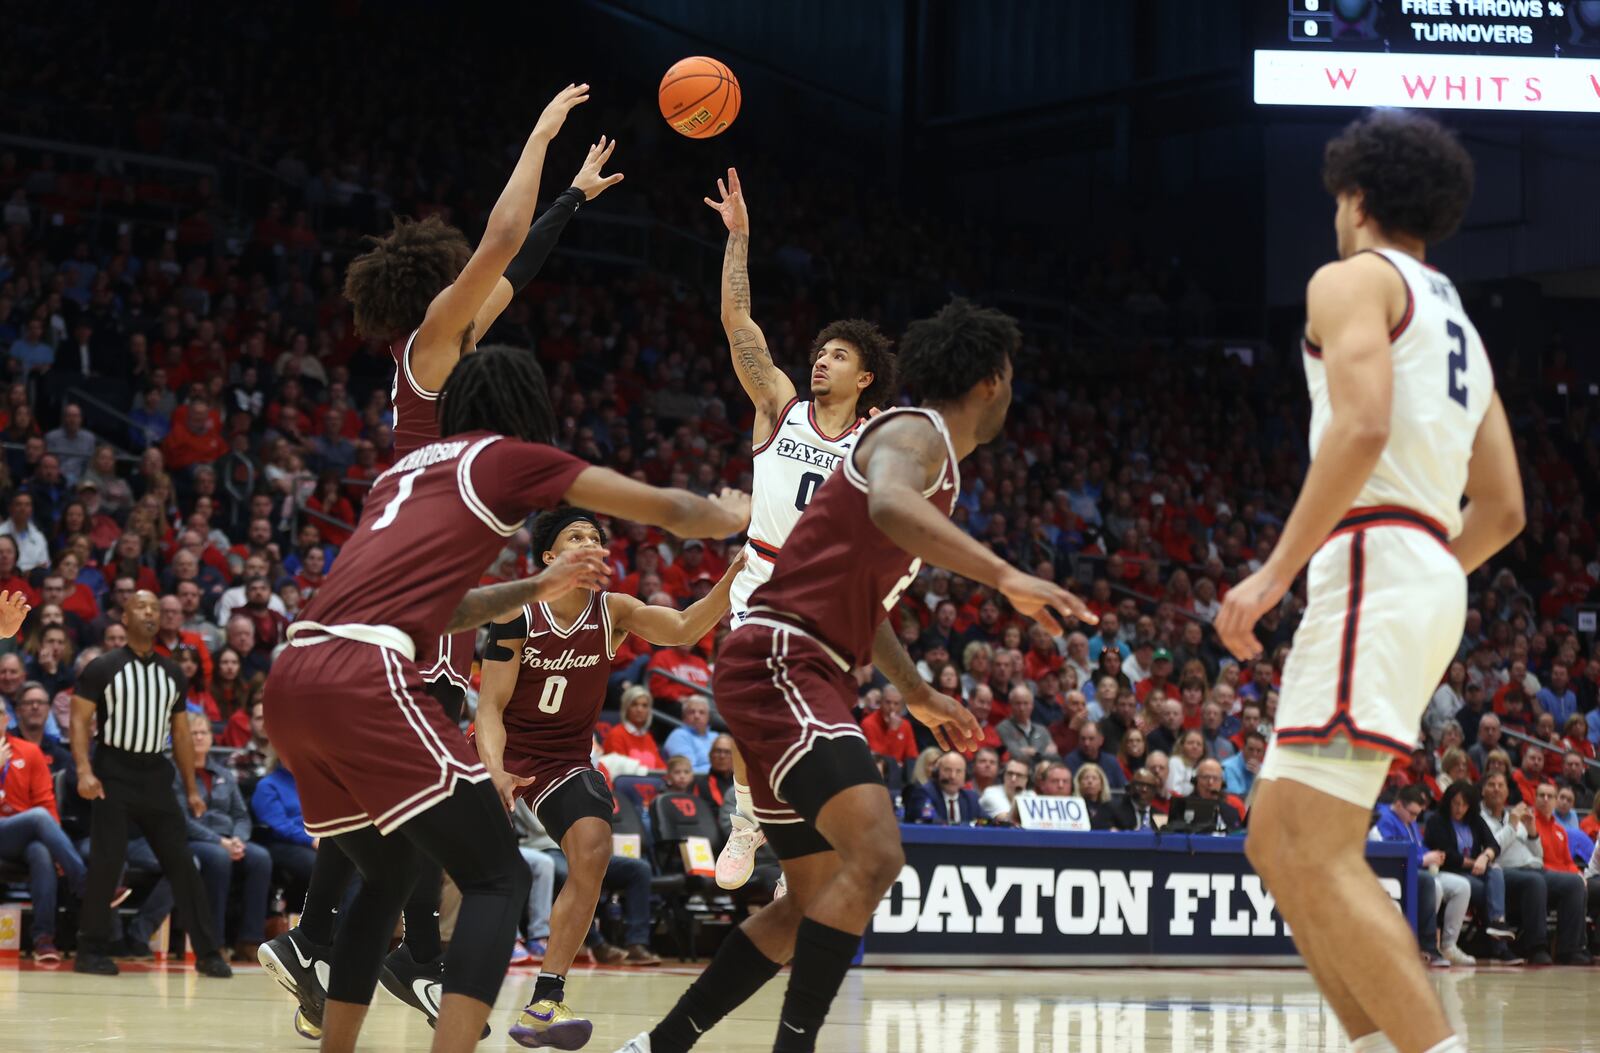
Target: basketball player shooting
(426,291)
(796,445)
(544,682)
(783,679)
(1404,422)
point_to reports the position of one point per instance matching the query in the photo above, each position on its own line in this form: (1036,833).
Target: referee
(138,697)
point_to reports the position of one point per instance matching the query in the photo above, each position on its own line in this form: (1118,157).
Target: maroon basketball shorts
(564,788)
(789,706)
(364,740)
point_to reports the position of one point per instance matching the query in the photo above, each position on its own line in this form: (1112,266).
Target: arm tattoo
(891,659)
(754,360)
(735,268)
(490,602)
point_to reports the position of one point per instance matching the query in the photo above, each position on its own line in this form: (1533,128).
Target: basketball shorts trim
(1387,603)
(1356,779)
(577,795)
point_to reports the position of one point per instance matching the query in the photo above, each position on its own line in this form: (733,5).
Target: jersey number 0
(808,489)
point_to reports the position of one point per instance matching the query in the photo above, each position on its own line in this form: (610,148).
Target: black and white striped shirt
(136,698)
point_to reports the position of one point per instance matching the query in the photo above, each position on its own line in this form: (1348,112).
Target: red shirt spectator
(897,742)
(195,437)
(26,780)
(683,664)
(1553,837)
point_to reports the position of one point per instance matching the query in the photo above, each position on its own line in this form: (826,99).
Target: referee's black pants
(139,786)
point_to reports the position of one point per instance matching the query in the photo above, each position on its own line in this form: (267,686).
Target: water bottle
(926,815)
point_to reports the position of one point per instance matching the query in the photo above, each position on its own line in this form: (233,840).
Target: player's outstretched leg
(737,860)
(547,1022)
(299,958)
(750,956)
(1309,848)
(468,835)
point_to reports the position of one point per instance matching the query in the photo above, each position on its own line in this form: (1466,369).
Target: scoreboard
(1522,55)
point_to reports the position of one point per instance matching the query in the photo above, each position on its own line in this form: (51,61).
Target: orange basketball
(699,97)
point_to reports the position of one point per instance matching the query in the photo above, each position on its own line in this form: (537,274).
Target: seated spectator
(694,739)
(1529,885)
(1557,697)
(254,665)
(1457,829)
(35,725)
(1239,771)
(1132,811)
(50,659)
(33,550)
(1053,780)
(1398,824)
(1089,782)
(1167,714)
(1091,750)
(1560,870)
(1530,776)
(979,706)
(997,800)
(985,770)
(889,733)
(1042,656)
(680,774)
(631,737)
(198,699)
(256,565)
(1159,765)
(171,634)
(1217,744)
(670,667)
(11,578)
(271,627)
(193,437)
(30,833)
(1208,787)
(1130,757)
(1021,737)
(1191,751)
(1123,716)
(1453,768)
(716,785)
(220,840)
(276,805)
(1065,732)
(944,799)
(1567,810)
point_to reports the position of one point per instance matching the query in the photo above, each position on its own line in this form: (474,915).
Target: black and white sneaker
(419,985)
(301,967)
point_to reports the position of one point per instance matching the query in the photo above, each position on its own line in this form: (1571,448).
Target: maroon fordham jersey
(838,576)
(415,421)
(562,675)
(431,526)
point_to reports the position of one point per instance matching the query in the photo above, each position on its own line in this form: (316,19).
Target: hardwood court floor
(878,1011)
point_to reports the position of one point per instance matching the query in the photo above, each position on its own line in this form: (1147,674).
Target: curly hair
(1413,175)
(500,389)
(875,351)
(391,284)
(944,357)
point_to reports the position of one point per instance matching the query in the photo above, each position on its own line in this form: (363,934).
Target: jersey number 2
(555,689)
(808,489)
(1458,362)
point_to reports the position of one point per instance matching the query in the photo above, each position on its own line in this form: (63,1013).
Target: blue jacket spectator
(927,804)
(694,739)
(277,807)
(1239,778)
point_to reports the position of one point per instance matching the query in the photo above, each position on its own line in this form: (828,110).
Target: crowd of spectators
(190,411)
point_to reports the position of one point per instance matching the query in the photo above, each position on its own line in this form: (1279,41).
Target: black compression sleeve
(542,238)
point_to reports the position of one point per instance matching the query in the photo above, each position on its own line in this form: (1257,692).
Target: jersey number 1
(392,509)
(1458,362)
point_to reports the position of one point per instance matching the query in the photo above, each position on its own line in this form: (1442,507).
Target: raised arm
(1494,514)
(669,626)
(903,458)
(1348,307)
(587,185)
(678,511)
(768,386)
(438,343)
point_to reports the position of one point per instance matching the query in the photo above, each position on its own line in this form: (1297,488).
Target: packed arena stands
(190,411)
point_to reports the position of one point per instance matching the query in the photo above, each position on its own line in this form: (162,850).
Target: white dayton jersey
(1386,597)
(796,459)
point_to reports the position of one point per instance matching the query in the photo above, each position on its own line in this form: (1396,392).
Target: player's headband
(547,538)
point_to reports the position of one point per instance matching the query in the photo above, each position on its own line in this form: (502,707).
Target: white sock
(741,801)
(1453,1044)
(1373,1043)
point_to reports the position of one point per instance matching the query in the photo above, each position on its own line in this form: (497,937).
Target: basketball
(699,97)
